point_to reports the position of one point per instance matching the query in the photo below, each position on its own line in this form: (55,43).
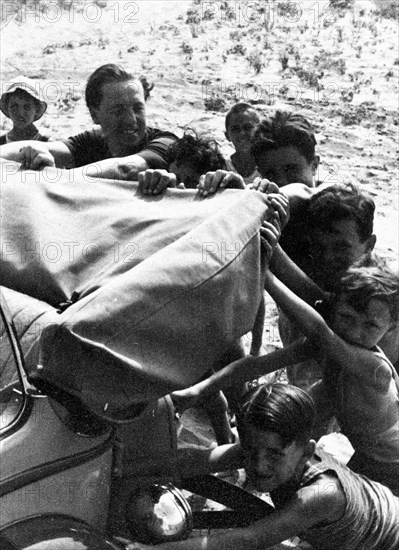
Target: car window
(12,395)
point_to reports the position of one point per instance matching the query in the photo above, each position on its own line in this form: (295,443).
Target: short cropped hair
(107,74)
(279,408)
(284,129)
(201,153)
(339,202)
(361,284)
(237,109)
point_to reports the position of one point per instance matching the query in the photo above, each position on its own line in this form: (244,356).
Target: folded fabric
(151,290)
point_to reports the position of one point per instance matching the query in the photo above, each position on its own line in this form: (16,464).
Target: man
(122,147)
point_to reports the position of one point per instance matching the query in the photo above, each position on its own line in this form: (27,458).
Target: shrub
(255,60)
(214,103)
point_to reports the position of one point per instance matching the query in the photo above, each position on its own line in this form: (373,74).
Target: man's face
(361,328)
(268,464)
(336,249)
(287,165)
(121,115)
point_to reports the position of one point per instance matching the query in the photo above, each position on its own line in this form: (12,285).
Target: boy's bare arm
(308,507)
(355,359)
(189,462)
(239,372)
(293,276)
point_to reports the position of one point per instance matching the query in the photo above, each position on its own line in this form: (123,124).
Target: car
(61,468)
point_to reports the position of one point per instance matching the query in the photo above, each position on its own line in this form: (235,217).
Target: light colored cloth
(248,179)
(371,518)
(159,287)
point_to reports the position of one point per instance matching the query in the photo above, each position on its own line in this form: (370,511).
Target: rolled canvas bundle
(149,291)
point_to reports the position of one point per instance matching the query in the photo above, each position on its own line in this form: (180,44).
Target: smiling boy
(241,123)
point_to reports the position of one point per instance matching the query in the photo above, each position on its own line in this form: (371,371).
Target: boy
(187,158)
(337,231)
(241,123)
(22,104)
(284,149)
(190,159)
(325,503)
(359,382)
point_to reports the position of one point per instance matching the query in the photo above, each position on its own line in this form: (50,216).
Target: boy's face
(186,174)
(287,165)
(121,115)
(336,249)
(22,110)
(268,464)
(241,128)
(361,328)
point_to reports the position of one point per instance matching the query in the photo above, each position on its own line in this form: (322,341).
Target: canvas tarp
(153,290)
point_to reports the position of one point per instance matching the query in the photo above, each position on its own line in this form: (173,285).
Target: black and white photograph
(199,275)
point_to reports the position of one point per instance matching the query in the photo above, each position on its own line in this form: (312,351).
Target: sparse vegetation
(255,60)
(214,103)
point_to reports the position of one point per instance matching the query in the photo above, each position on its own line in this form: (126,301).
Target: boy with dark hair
(340,228)
(284,149)
(323,502)
(193,155)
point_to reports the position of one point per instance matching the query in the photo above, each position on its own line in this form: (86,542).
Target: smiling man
(121,147)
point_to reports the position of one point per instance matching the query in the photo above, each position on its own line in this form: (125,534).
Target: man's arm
(37,154)
(119,168)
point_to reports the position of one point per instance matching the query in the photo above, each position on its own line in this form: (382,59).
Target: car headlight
(158,513)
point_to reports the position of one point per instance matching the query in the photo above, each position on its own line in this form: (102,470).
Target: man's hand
(36,157)
(210,182)
(154,182)
(264,186)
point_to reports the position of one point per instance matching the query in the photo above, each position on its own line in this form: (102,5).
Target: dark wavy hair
(360,284)
(279,408)
(340,202)
(201,153)
(284,129)
(107,74)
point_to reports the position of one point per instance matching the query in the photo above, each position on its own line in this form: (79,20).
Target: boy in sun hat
(22,104)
